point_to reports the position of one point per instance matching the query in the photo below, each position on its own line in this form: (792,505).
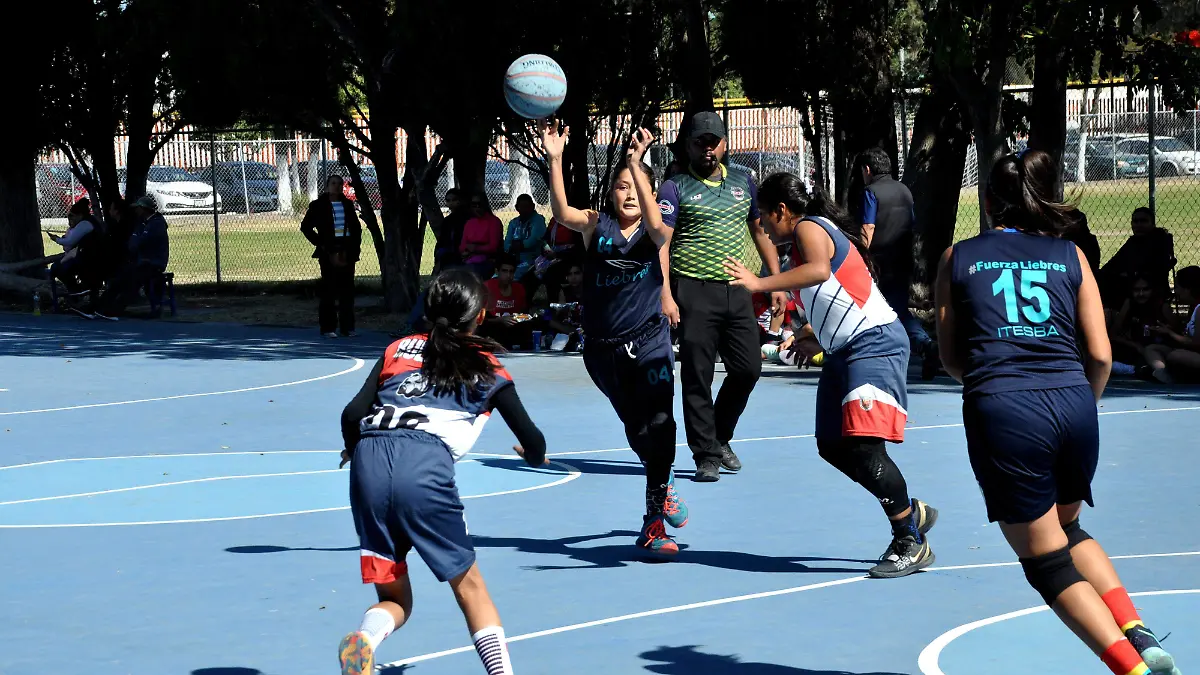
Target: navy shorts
(638,377)
(863,389)
(1032,449)
(403,496)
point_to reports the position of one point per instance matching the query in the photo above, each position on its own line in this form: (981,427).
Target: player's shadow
(624,553)
(227,671)
(600,467)
(282,549)
(687,661)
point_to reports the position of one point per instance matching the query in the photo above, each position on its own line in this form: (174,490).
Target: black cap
(707,123)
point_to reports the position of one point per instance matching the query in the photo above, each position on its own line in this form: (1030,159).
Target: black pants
(715,318)
(336,291)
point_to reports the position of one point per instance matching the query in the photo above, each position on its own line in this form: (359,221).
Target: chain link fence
(234,200)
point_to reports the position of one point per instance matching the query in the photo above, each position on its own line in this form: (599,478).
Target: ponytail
(1020,192)
(788,189)
(453,357)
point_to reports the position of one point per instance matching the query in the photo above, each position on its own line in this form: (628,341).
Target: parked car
(57,189)
(245,187)
(331,167)
(176,190)
(760,164)
(1172,156)
(1106,158)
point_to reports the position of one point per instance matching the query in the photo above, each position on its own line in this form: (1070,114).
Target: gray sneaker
(926,518)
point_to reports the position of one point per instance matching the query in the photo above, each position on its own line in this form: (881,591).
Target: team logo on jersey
(738,193)
(665,207)
(413,386)
(697,197)
(866,402)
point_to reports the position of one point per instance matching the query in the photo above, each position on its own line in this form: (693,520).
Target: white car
(1172,156)
(176,190)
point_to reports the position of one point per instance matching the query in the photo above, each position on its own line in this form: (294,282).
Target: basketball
(535,86)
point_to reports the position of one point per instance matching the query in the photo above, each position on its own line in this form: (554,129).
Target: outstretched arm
(651,215)
(532,444)
(814,248)
(553,144)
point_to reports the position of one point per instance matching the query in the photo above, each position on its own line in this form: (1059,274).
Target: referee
(714,216)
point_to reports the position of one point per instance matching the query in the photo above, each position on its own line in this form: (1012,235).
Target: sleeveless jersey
(622,281)
(848,303)
(1014,297)
(406,402)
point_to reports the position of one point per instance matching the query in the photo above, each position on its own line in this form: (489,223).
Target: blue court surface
(171,503)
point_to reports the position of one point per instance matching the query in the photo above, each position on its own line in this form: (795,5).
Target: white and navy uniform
(406,437)
(862,390)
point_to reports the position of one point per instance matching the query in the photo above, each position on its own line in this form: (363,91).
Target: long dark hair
(453,358)
(609,207)
(788,188)
(1021,190)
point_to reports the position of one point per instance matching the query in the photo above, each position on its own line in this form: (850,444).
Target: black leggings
(866,462)
(639,380)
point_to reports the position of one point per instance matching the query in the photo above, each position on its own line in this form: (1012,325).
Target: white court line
(728,600)
(169,456)
(926,427)
(358,364)
(151,486)
(928,660)
(572,474)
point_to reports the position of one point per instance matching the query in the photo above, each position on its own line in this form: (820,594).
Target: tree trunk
(401,264)
(20,235)
(933,172)
(990,145)
(1048,120)
(140,126)
(697,83)
(470,162)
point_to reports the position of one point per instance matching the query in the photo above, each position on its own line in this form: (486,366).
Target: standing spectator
(148,254)
(714,216)
(524,237)
(482,239)
(332,227)
(887,219)
(446,254)
(1150,252)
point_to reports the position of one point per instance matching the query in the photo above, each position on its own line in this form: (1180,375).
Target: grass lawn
(269,247)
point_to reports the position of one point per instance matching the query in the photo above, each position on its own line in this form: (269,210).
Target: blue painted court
(171,503)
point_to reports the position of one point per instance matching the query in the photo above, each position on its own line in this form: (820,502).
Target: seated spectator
(524,237)
(482,239)
(446,253)
(149,252)
(1150,252)
(82,265)
(571,290)
(1081,235)
(1177,359)
(507,320)
(1130,328)
(560,246)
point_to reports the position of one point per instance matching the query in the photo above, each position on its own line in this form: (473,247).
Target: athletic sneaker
(1153,655)
(926,518)
(729,460)
(906,557)
(675,510)
(329,336)
(356,655)
(654,537)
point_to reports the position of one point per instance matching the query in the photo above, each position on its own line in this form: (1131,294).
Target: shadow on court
(624,553)
(687,661)
(227,671)
(285,549)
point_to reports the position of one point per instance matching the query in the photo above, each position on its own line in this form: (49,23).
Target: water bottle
(537,340)
(37,304)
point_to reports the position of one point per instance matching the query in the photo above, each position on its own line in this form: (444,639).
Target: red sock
(1121,606)
(1123,659)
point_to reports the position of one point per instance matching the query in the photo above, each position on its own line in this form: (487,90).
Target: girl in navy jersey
(862,395)
(1020,324)
(420,411)
(628,348)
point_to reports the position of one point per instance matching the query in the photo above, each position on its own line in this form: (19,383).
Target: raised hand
(553,141)
(639,143)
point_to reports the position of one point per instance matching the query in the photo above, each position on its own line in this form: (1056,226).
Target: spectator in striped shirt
(333,229)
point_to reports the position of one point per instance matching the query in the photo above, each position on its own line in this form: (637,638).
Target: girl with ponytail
(862,396)
(420,411)
(1020,324)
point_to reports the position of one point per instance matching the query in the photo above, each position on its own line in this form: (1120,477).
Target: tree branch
(345,29)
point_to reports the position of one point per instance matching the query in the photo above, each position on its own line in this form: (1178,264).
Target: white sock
(377,624)
(493,650)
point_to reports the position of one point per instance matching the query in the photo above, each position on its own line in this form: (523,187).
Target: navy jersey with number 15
(1014,297)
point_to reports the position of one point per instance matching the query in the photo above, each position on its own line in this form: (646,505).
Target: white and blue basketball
(535,86)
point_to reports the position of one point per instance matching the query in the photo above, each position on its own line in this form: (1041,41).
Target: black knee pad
(1051,574)
(1075,534)
(835,454)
